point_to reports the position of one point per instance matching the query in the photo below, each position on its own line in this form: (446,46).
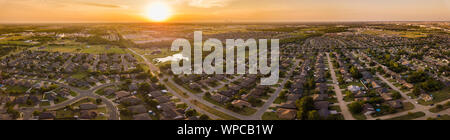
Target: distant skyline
(48,11)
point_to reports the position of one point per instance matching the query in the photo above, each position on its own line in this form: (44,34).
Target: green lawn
(213,101)
(74,47)
(185,86)
(270,116)
(80,75)
(409,116)
(213,111)
(247,111)
(407,106)
(444,107)
(337,108)
(97,49)
(177,90)
(61,114)
(73,94)
(82,101)
(345,86)
(438,96)
(60,99)
(359,116)
(443,117)
(44,104)
(16,89)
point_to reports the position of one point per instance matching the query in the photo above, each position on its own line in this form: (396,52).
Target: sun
(158,12)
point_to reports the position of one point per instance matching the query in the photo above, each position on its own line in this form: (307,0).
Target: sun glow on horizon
(158,12)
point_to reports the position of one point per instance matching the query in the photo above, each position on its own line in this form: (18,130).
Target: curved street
(82,94)
(199,97)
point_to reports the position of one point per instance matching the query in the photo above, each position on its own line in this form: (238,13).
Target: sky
(225,10)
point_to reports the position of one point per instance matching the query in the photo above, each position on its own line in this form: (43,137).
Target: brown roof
(121,94)
(142,116)
(288,114)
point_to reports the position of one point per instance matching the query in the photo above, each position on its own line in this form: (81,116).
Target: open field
(91,49)
(213,111)
(409,116)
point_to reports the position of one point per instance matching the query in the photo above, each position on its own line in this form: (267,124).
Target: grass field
(438,96)
(443,117)
(147,53)
(409,116)
(444,107)
(407,34)
(213,111)
(80,75)
(359,116)
(16,89)
(245,111)
(270,116)
(178,91)
(80,48)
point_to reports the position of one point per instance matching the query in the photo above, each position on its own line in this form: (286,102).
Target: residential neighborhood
(345,71)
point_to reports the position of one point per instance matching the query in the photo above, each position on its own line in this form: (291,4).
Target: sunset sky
(224,10)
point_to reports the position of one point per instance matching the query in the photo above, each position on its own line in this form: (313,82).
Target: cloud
(100,5)
(206,3)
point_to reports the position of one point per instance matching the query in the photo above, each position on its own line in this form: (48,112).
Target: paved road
(200,99)
(404,95)
(187,101)
(269,102)
(417,107)
(226,83)
(434,115)
(113,111)
(154,69)
(342,104)
(424,109)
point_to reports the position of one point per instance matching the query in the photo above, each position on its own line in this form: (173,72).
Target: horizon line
(205,22)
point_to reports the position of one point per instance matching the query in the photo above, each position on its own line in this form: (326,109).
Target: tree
(254,101)
(242,92)
(417,91)
(355,107)
(415,77)
(207,94)
(440,107)
(355,73)
(432,85)
(190,113)
(36,113)
(304,105)
(128,81)
(98,101)
(282,95)
(154,79)
(396,95)
(288,84)
(204,117)
(144,87)
(349,94)
(313,115)
(14,113)
(310,84)
(301,115)
(29,102)
(143,76)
